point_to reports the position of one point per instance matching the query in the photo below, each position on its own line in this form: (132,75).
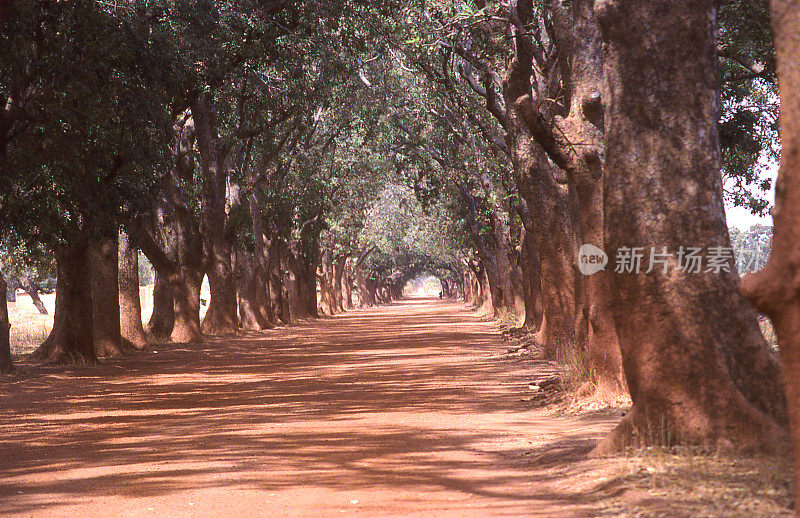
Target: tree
(773,289)
(694,359)
(6,365)
(83,150)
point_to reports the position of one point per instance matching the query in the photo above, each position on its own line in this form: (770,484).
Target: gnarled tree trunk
(130,306)
(71,338)
(221,317)
(694,358)
(163,316)
(247,288)
(774,289)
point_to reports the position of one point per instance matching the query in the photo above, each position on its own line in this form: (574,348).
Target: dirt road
(399,410)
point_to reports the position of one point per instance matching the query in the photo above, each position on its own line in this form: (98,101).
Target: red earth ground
(407,409)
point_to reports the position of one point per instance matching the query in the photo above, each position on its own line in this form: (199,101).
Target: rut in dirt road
(393,410)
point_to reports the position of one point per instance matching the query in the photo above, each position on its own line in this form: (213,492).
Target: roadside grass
(686,481)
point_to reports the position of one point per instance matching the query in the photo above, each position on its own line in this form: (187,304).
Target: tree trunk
(485,304)
(532,282)
(71,338)
(327,305)
(550,200)
(696,364)
(163,317)
(173,244)
(130,306)
(6,366)
(774,290)
(338,283)
(497,287)
(347,284)
(262,251)
(221,317)
(580,42)
(366,289)
(277,290)
(105,297)
(302,283)
(32,290)
(247,288)
(186,286)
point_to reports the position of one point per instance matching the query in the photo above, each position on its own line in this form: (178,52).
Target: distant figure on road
(440,294)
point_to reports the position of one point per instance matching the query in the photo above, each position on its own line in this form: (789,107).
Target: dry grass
(690,482)
(29,328)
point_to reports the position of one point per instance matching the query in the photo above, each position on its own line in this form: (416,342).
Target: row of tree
(296,153)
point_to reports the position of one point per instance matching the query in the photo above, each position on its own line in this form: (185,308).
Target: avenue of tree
(308,157)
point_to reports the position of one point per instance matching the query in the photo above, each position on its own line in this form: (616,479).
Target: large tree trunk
(366,289)
(532,282)
(172,242)
(302,286)
(485,299)
(185,286)
(552,208)
(262,252)
(347,283)
(221,317)
(327,304)
(247,289)
(163,316)
(501,248)
(278,298)
(338,283)
(105,297)
(580,42)
(696,364)
(774,289)
(130,306)
(6,366)
(71,338)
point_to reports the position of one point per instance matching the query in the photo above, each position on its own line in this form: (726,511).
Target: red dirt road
(401,410)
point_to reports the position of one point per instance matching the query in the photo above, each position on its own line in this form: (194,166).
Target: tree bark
(277,288)
(696,364)
(532,282)
(347,283)
(553,213)
(221,317)
(105,297)
(325,275)
(338,283)
(130,305)
(773,290)
(163,317)
(247,289)
(580,42)
(186,284)
(262,251)
(71,338)
(6,365)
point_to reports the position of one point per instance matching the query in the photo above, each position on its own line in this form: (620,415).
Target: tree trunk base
(752,433)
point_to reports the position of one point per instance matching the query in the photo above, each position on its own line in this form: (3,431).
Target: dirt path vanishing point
(398,410)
